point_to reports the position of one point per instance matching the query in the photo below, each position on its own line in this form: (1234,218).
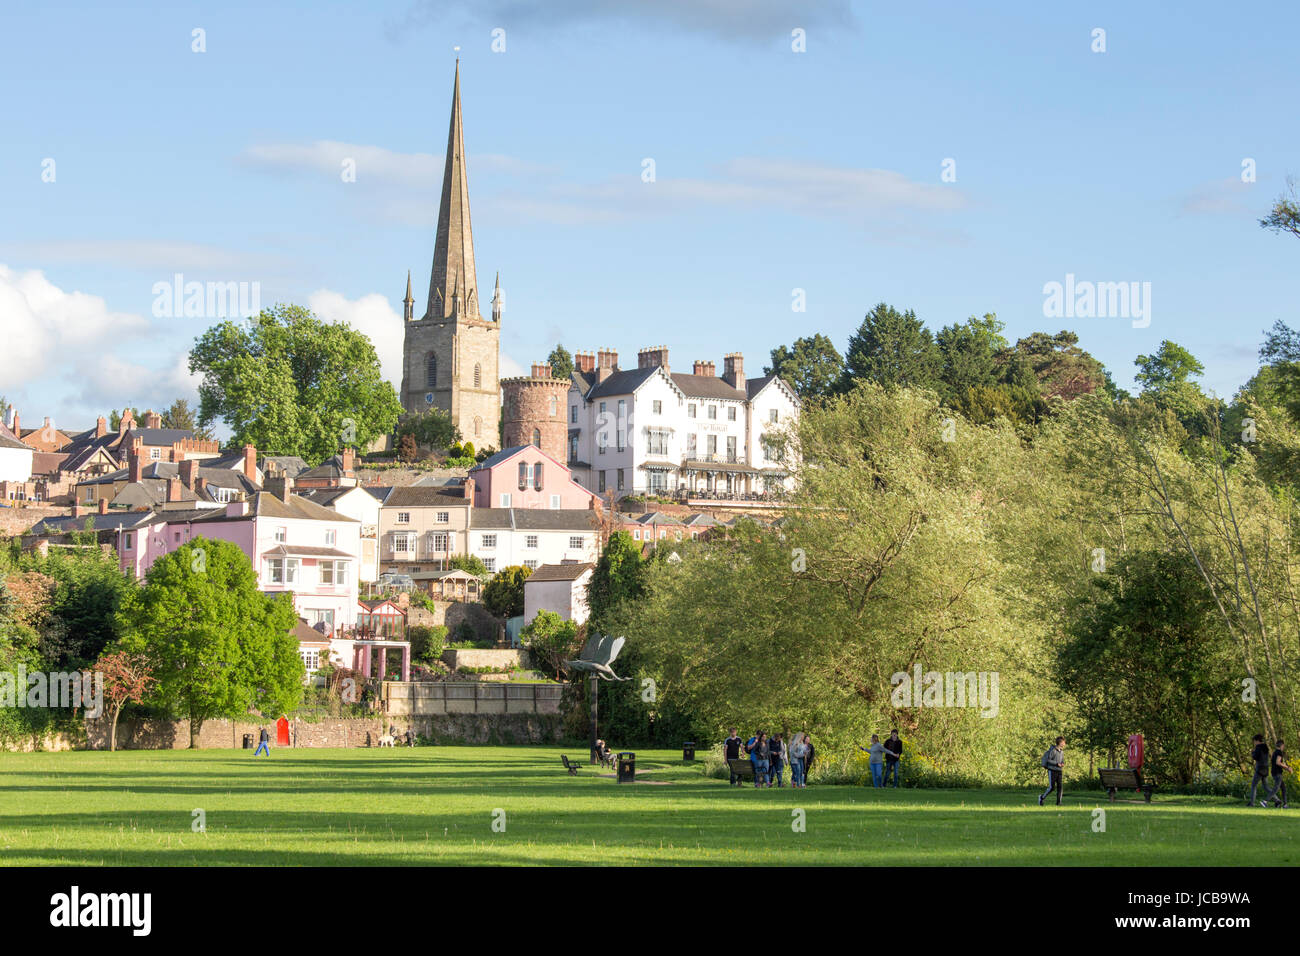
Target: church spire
(498,304)
(453,285)
(408,304)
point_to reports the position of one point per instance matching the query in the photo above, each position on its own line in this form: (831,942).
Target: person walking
(731,751)
(777,761)
(263,744)
(798,751)
(893,751)
(876,752)
(1259,757)
(1054,762)
(809,757)
(1278,766)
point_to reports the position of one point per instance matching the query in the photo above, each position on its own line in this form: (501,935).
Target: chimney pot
(173,489)
(134,467)
(103,506)
(250,463)
(189,471)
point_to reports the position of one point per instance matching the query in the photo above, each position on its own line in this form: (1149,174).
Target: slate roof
(531,519)
(707,386)
(14,443)
(504,455)
(426,496)
(622,382)
(560,572)
(157,436)
(266,505)
(62,524)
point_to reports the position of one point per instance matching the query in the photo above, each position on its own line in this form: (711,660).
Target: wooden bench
(569,765)
(743,769)
(1123,778)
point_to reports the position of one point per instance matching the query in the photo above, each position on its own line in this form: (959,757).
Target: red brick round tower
(534,413)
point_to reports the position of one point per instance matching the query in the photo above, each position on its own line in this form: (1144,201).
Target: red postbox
(1135,751)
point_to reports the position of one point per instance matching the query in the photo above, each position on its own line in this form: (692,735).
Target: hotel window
(713,411)
(576,541)
(331,537)
(690,410)
(731,448)
(443,517)
(555,502)
(658,407)
(505,500)
(403,517)
(622,425)
(573,448)
(281,534)
(620,479)
(602,482)
(731,413)
(531,565)
(713,446)
(530,542)
(573,414)
(690,446)
(656,441)
(490,564)
(489,541)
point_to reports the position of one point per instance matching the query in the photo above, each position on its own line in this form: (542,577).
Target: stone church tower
(449,354)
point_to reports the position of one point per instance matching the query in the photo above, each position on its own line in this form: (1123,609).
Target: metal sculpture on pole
(594,659)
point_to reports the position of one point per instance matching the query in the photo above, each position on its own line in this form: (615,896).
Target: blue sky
(774,171)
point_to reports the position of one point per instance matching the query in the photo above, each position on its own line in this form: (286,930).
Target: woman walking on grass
(798,751)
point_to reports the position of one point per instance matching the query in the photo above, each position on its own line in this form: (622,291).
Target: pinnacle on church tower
(498,303)
(408,304)
(453,287)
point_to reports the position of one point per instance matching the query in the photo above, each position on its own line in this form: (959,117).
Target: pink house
(526,477)
(294,545)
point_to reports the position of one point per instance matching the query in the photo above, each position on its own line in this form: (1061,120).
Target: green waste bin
(688,750)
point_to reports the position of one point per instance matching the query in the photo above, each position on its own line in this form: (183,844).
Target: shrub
(427,642)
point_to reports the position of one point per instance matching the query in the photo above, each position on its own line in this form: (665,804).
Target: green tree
(812,366)
(292,384)
(504,594)
(432,428)
(893,348)
(970,353)
(1063,370)
(551,640)
(1169,366)
(1285,214)
(561,362)
(470,563)
(115,418)
(216,645)
(180,415)
(618,578)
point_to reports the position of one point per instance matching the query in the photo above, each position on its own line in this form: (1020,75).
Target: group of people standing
(1268,765)
(769,756)
(884,758)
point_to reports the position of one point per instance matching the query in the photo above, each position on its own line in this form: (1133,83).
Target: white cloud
(1216,198)
(372,315)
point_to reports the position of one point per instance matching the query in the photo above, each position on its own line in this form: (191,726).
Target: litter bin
(627,767)
(248,741)
(688,750)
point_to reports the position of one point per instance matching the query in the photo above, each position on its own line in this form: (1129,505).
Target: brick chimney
(541,370)
(606,362)
(134,466)
(103,506)
(586,362)
(705,368)
(126,422)
(654,357)
(250,463)
(348,458)
(278,486)
(201,486)
(469,490)
(152,419)
(15,425)
(101,426)
(173,489)
(189,471)
(733,369)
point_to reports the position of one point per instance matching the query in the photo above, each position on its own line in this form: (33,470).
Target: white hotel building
(652,430)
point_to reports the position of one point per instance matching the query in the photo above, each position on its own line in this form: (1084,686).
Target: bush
(427,643)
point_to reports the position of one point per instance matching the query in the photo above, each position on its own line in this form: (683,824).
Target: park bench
(743,769)
(1122,778)
(569,765)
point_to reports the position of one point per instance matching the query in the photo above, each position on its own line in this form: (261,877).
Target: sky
(707,175)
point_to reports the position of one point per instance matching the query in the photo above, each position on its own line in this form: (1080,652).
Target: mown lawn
(437,805)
